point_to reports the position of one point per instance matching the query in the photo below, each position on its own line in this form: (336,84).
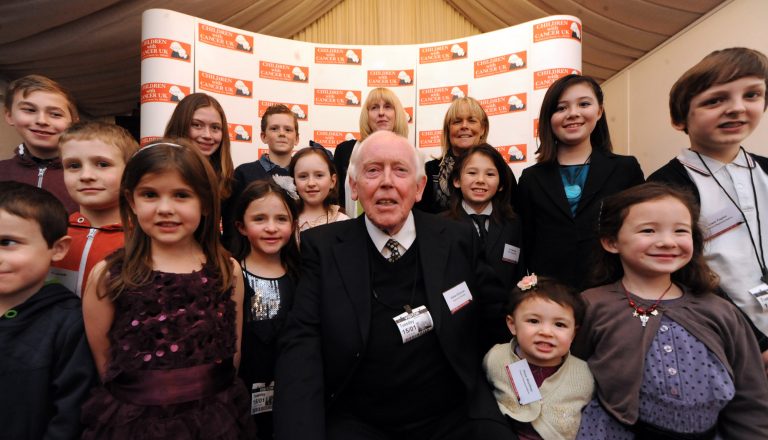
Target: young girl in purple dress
(163,315)
(671,360)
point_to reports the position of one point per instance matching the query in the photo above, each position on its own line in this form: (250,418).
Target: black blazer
(327,330)
(557,243)
(499,235)
(341,157)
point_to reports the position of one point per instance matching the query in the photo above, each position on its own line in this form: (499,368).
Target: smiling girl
(163,315)
(559,197)
(671,359)
(269,256)
(482,183)
(315,177)
(200,118)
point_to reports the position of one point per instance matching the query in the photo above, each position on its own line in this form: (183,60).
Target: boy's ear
(609,245)
(8,118)
(263,137)
(511,325)
(297,139)
(680,126)
(60,248)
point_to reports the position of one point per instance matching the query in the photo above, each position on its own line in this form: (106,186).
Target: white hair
(386,135)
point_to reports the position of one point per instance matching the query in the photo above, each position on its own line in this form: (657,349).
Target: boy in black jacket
(45,368)
(718,103)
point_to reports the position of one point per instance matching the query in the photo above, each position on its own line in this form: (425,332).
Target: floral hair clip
(286,183)
(528,282)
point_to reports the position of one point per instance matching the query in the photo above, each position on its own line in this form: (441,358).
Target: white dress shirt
(404,237)
(731,254)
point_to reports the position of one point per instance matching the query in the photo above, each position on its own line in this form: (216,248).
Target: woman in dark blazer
(559,197)
(382,110)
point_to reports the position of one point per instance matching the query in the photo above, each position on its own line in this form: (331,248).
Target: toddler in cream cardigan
(542,316)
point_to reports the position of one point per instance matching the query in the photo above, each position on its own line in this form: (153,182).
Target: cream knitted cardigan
(564,394)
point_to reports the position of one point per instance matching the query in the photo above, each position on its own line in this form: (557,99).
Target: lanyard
(761,255)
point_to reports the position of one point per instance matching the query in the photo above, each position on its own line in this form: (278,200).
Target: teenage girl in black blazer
(559,197)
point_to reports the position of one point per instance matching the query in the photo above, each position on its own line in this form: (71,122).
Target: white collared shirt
(405,236)
(487,211)
(731,255)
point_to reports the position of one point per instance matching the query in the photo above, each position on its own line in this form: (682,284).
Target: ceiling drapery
(93,46)
(616,32)
(382,22)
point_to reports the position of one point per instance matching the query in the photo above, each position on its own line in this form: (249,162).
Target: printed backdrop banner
(508,71)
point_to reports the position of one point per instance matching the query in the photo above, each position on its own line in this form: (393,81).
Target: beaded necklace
(642,312)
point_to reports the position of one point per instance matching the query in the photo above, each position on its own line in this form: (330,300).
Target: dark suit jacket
(557,243)
(498,236)
(341,157)
(327,330)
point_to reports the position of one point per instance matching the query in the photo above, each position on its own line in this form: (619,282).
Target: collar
(25,156)
(691,160)
(405,236)
(270,166)
(469,210)
(78,220)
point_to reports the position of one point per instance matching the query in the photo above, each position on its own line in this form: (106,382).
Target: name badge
(722,221)
(523,383)
(511,253)
(414,324)
(262,397)
(457,297)
(761,295)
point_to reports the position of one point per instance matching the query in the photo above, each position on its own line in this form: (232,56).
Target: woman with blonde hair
(465,125)
(382,110)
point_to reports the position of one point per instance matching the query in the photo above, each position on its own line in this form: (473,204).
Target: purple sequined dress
(170,374)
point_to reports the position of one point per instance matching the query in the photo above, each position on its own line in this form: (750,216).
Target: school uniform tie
(394,250)
(480,220)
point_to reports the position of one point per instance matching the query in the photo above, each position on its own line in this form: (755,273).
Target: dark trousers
(455,425)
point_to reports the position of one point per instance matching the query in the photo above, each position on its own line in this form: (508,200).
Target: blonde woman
(465,125)
(382,110)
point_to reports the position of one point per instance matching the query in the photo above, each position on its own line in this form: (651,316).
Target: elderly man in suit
(392,316)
